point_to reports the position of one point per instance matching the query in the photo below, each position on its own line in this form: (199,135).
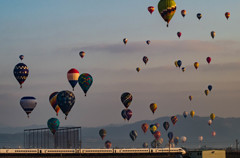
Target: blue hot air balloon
(53,124)
(179,63)
(209,87)
(28,103)
(170,135)
(166,125)
(65,100)
(21,72)
(85,81)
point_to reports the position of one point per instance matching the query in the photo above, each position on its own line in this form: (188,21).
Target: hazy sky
(51,33)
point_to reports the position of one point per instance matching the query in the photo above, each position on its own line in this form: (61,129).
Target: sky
(50,34)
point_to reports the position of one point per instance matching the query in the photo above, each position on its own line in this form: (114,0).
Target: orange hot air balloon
(192,113)
(151,9)
(82,54)
(145,127)
(138,69)
(153,107)
(196,65)
(213,34)
(227,15)
(183,12)
(125,40)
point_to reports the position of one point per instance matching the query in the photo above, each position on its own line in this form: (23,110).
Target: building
(207,154)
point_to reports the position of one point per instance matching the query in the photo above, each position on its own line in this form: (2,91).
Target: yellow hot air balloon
(212,116)
(192,113)
(196,65)
(206,92)
(190,98)
(153,107)
(213,34)
(176,64)
(138,69)
(167,9)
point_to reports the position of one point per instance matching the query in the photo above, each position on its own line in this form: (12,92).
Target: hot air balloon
(183,69)
(206,92)
(153,128)
(200,138)
(148,42)
(126,99)
(185,113)
(133,135)
(213,133)
(138,69)
(208,59)
(157,143)
(199,16)
(167,9)
(212,116)
(166,125)
(190,98)
(128,114)
(174,119)
(192,113)
(72,77)
(175,140)
(157,135)
(108,144)
(144,127)
(183,12)
(21,57)
(213,34)
(227,15)
(145,145)
(183,139)
(153,107)
(21,72)
(82,54)
(85,81)
(179,34)
(145,59)
(102,133)
(170,136)
(176,63)
(196,65)
(151,9)
(53,102)
(209,122)
(28,103)
(157,125)
(53,124)
(210,87)
(124,114)
(125,40)
(179,63)
(65,100)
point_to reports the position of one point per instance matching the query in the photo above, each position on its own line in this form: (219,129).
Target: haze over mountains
(227,131)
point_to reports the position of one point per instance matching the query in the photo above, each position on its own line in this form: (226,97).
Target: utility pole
(237,143)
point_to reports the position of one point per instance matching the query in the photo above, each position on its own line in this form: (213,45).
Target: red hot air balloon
(227,15)
(157,135)
(174,119)
(145,127)
(151,9)
(179,34)
(128,114)
(145,60)
(208,60)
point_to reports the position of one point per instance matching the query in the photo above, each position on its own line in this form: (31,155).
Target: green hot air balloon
(167,9)
(53,124)
(85,81)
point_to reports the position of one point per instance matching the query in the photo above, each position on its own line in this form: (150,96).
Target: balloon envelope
(21,72)
(125,40)
(212,116)
(124,114)
(102,133)
(227,15)
(157,135)
(65,100)
(199,16)
(179,63)
(183,12)
(196,65)
(166,125)
(82,54)
(210,87)
(170,135)
(208,60)
(108,144)
(209,122)
(179,34)
(213,34)
(53,124)
(183,139)
(72,77)
(167,9)
(144,127)
(148,42)
(174,119)
(21,57)
(185,113)
(85,81)
(53,102)
(192,113)
(200,138)
(153,107)
(28,103)
(133,135)
(128,114)
(145,60)
(153,128)
(151,9)
(126,99)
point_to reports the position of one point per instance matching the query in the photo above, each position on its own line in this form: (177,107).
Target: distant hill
(227,131)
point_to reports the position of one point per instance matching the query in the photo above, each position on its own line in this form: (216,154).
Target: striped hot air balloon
(53,102)
(73,76)
(28,103)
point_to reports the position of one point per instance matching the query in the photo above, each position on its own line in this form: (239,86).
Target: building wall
(214,154)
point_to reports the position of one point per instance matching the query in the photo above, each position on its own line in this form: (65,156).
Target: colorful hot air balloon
(151,9)
(65,100)
(157,143)
(199,16)
(125,40)
(82,54)
(153,107)
(28,103)
(128,114)
(126,99)
(170,136)
(176,63)
(213,133)
(72,77)
(213,34)
(21,57)
(212,116)
(53,102)
(144,127)
(148,42)
(167,9)
(227,15)
(210,87)
(102,133)
(153,128)
(145,60)
(157,135)
(200,138)
(174,119)
(183,69)
(185,113)
(21,72)
(192,113)
(138,69)
(209,122)
(183,12)
(124,114)
(179,34)
(133,135)
(166,125)
(85,81)
(179,63)
(157,125)
(175,140)
(206,92)
(53,124)
(190,98)
(208,59)
(145,145)
(196,65)
(108,144)
(183,139)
